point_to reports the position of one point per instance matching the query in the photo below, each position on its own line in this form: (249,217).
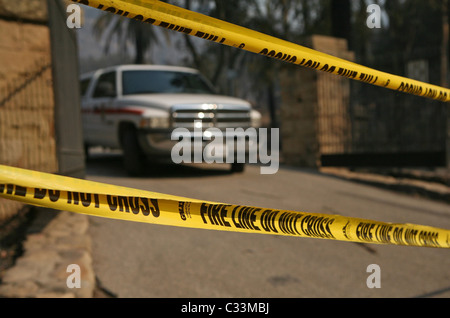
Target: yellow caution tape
(177,19)
(103,200)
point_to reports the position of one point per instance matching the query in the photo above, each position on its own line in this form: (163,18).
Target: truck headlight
(255,117)
(155,122)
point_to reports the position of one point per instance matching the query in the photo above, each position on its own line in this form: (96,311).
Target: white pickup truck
(136,108)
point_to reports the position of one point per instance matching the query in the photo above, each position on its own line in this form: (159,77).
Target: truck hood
(166,101)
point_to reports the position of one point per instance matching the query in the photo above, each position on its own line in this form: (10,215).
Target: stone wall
(27,134)
(314,108)
(298,117)
(34,11)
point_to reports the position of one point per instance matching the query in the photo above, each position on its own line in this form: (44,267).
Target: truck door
(99,126)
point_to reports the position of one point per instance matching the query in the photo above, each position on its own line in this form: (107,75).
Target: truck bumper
(211,146)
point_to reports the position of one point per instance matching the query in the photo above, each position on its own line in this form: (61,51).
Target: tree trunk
(341,15)
(444,48)
(139,57)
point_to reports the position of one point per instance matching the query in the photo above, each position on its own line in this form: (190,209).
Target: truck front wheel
(133,157)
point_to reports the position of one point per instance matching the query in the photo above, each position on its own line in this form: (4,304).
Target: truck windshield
(155,82)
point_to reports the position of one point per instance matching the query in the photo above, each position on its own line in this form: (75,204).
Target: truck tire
(237,167)
(133,157)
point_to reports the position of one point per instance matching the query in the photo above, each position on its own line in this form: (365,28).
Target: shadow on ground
(111,164)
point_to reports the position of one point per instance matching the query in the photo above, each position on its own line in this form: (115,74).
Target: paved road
(142,260)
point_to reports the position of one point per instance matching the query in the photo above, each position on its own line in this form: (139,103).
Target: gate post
(315,108)
(65,70)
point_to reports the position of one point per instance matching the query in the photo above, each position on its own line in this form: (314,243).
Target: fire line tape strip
(104,200)
(178,19)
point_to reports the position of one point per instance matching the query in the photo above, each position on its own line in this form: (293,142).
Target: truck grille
(211,115)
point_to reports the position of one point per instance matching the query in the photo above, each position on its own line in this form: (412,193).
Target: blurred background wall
(39,100)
